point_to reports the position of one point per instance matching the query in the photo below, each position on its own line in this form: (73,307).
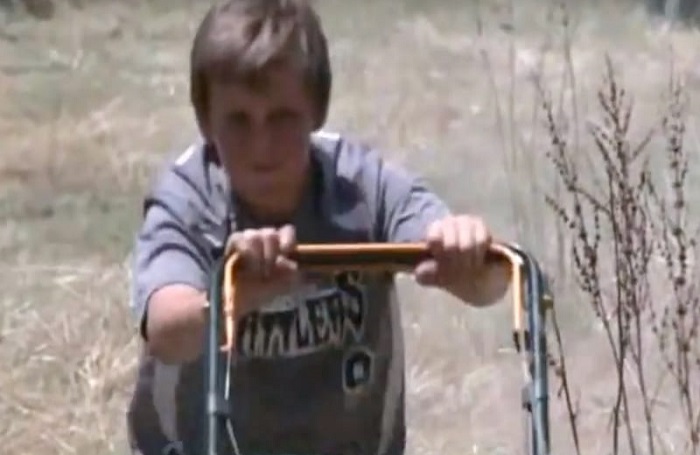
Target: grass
(93,101)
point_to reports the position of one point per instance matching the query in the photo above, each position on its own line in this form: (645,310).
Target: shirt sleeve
(408,205)
(167,248)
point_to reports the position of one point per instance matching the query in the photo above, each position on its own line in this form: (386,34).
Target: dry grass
(93,100)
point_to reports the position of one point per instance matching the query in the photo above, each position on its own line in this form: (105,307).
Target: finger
(482,238)
(434,237)
(426,273)
(250,247)
(270,250)
(475,240)
(232,243)
(285,265)
(466,240)
(450,237)
(287,239)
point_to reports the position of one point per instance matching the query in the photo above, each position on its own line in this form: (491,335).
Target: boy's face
(262,133)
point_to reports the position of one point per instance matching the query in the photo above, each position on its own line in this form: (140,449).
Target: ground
(93,101)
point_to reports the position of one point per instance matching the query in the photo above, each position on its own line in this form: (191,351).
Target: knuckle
(250,241)
(287,234)
(231,242)
(249,234)
(268,233)
(270,237)
(450,243)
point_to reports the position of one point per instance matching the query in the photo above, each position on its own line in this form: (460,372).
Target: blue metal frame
(536,390)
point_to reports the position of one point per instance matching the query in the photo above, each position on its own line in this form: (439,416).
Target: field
(93,101)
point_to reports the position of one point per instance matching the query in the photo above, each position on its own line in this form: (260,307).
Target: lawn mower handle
(367,256)
(529,306)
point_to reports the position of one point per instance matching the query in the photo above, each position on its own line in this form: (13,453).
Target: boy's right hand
(264,270)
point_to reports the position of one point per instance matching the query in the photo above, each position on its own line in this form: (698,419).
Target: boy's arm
(407,210)
(169,278)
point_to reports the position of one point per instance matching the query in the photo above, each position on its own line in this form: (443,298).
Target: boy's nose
(261,146)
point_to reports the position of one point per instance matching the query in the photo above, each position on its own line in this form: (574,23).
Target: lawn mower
(530,304)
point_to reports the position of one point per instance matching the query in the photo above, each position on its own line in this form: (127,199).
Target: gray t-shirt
(320,371)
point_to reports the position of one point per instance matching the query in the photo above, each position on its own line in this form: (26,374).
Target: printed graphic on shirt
(358,368)
(311,319)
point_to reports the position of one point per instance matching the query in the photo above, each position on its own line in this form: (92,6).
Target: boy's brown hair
(238,39)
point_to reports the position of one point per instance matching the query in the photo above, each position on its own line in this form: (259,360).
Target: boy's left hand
(458,244)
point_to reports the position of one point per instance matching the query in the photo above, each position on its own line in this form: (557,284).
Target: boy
(319,365)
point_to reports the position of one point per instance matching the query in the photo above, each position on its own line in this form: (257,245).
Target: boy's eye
(280,117)
(283,115)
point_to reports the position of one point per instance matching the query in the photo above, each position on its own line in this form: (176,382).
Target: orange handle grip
(366,256)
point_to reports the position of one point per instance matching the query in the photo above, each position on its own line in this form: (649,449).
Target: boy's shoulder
(352,159)
(189,184)
(192,166)
(348,154)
